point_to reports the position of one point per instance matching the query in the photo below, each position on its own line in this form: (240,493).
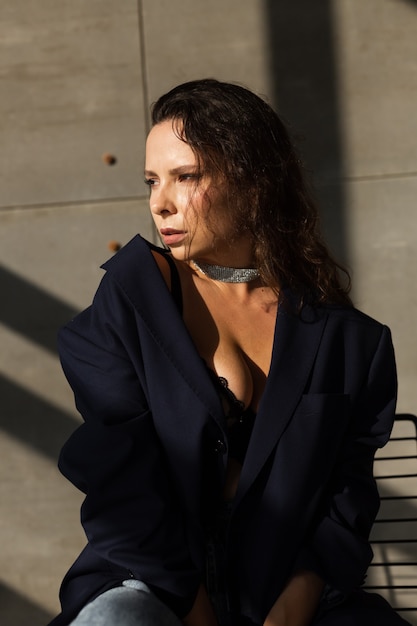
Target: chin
(179,253)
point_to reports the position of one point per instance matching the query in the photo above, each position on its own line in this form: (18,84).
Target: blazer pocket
(309,449)
(323,405)
(321,420)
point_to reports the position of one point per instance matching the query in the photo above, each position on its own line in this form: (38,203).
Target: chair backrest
(393,572)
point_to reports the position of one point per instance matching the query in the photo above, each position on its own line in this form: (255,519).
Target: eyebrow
(175,171)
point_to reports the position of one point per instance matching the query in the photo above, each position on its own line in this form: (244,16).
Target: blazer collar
(135,269)
(296,342)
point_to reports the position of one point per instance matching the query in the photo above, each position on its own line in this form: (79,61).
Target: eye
(189,176)
(151,182)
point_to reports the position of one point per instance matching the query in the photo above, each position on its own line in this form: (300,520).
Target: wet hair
(238,138)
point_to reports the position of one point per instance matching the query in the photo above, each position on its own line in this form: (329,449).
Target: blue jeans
(132,604)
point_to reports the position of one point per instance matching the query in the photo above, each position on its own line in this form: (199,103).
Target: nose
(161,200)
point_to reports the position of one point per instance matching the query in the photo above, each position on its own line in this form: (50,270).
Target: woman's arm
(338,548)
(337,552)
(298,602)
(131,513)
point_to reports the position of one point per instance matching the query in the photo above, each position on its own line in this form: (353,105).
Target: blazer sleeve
(130,513)
(338,548)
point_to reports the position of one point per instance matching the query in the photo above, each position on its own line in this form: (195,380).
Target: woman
(233,398)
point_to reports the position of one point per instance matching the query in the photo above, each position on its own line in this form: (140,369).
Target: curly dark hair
(237,136)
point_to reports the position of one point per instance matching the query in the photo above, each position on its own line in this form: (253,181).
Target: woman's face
(188,208)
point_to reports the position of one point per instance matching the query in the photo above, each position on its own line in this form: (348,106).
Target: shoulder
(351,315)
(139,265)
(132,285)
(130,257)
(335,315)
(352,318)
(356,326)
(346,327)
(357,333)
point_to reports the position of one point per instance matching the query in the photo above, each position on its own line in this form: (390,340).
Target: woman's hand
(202,613)
(298,601)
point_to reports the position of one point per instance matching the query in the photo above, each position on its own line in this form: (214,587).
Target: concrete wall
(77,81)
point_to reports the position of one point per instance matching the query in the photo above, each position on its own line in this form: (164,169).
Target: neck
(226,274)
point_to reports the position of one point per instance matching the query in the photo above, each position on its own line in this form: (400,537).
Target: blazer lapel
(297,339)
(153,302)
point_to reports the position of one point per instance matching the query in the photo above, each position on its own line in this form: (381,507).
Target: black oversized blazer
(153,447)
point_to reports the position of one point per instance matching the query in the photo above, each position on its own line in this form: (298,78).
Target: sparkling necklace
(227,274)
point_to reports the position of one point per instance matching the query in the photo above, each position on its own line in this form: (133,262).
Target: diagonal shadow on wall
(302,58)
(19,611)
(36,315)
(30,310)
(32,420)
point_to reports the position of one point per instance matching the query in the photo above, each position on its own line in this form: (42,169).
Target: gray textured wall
(77,80)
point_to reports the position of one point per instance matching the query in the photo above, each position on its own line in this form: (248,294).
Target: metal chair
(393,572)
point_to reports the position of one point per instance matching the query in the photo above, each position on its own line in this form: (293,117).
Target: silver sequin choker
(227,274)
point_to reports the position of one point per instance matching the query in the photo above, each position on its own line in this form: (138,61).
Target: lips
(171,236)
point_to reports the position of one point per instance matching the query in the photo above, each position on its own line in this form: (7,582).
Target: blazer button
(220,447)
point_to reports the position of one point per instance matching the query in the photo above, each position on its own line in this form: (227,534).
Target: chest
(235,340)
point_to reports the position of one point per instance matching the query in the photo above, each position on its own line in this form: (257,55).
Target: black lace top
(239,419)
